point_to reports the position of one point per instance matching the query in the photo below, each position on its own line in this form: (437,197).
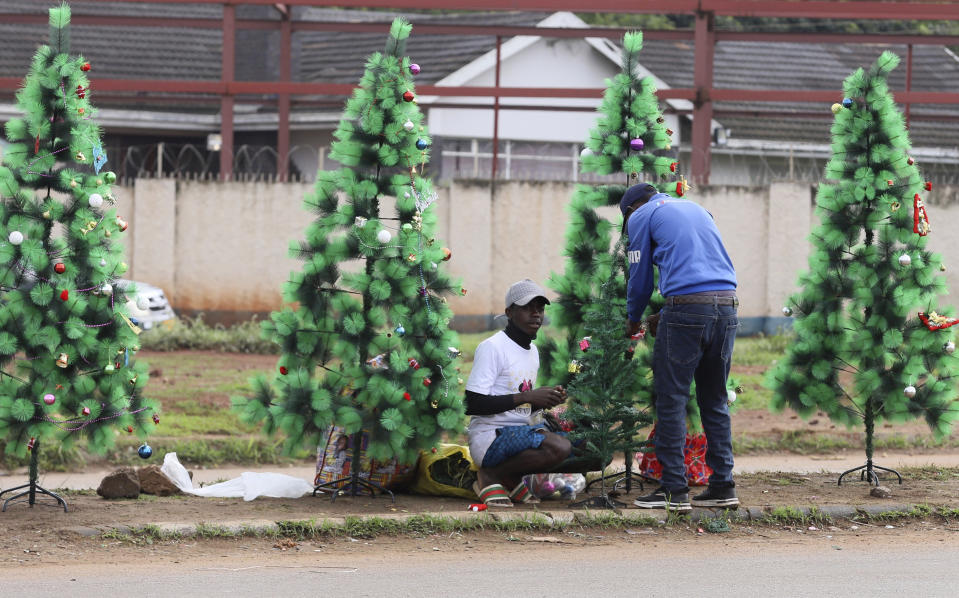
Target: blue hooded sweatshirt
(681,239)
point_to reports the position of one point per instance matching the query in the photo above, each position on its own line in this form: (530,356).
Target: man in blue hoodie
(696,331)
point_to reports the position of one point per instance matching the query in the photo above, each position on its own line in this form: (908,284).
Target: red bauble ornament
(408,96)
(673,166)
(64,294)
(433,450)
(889,182)
(669,132)
(447,254)
(36,145)
(85,67)
(129,429)
(928,185)
(32,443)
(463,292)
(427,381)
(283,370)
(156,418)
(85,411)
(679,189)
(59,268)
(414,364)
(910,161)
(407,396)
(80,111)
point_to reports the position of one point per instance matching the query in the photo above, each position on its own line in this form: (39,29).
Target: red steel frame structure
(704,36)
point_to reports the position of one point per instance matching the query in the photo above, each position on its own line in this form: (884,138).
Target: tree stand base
(354,482)
(30,496)
(867,473)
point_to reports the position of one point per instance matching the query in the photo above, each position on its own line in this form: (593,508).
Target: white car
(150,307)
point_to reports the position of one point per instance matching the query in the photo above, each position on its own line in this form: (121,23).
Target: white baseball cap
(524,291)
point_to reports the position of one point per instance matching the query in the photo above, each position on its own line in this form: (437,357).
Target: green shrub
(195,334)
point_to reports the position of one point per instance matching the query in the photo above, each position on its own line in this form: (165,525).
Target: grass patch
(795,516)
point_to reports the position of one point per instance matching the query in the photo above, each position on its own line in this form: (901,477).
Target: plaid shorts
(511,441)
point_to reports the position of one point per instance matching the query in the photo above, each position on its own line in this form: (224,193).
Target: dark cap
(638,192)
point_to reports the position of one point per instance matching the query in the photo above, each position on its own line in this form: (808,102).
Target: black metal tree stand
(867,471)
(624,479)
(354,484)
(32,489)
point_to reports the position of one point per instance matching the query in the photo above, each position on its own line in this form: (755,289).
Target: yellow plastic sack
(447,472)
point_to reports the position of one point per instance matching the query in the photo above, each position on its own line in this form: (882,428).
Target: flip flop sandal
(494,495)
(521,494)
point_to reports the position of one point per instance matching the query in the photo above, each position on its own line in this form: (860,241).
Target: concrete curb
(549,518)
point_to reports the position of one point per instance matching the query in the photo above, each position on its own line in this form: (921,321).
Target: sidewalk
(779,462)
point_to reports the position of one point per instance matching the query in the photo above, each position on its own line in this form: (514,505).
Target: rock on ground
(122,483)
(153,481)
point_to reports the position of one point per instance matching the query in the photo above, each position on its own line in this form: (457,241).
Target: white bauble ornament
(408,125)
(106,289)
(103,262)
(586,152)
(15,237)
(96,200)
(949,347)
(384,236)
(905,260)
(909,391)
(730,396)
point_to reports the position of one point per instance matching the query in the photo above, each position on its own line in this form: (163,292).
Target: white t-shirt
(500,367)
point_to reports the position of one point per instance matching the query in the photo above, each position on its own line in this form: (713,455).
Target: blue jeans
(693,342)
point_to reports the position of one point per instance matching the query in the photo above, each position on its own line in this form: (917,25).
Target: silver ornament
(408,125)
(949,347)
(730,396)
(787,311)
(905,260)
(909,391)
(359,221)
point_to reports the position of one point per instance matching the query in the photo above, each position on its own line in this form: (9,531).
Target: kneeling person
(506,435)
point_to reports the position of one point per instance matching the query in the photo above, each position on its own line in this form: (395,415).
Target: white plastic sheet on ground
(248,486)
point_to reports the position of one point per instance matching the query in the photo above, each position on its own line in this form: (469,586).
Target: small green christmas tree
(630,139)
(62,320)
(870,346)
(602,401)
(368,347)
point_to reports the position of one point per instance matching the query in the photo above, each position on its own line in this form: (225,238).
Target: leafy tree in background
(368,346)
(62,319)
(870,344)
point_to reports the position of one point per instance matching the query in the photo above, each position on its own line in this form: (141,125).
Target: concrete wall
(221,248)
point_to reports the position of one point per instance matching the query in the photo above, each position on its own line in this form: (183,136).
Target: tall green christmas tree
(631,140)
(601,404)
(62,319)
(368,347)
(870,344)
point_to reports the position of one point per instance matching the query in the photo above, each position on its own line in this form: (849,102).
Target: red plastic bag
(694,454)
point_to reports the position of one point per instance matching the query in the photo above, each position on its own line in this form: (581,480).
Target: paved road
(742,568)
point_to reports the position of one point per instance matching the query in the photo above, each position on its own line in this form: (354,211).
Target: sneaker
(662,499)
(716,496)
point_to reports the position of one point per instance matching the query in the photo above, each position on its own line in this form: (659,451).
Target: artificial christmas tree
(869,346)
(62,318)
(631,140)
(606,417)
(368,348)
